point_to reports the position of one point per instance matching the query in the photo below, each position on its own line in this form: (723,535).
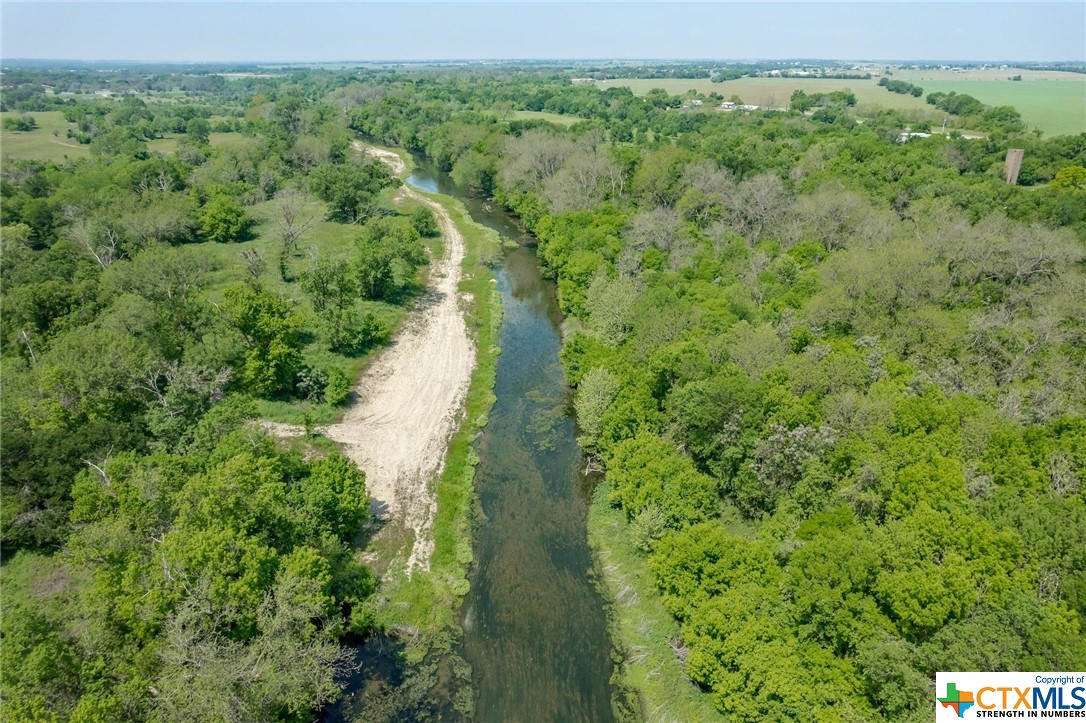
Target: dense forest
(834,382)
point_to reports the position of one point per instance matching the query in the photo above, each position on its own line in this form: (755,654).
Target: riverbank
(410,667)
(643,631)
(531,636)
(426,604)
(410,401)
(423,604)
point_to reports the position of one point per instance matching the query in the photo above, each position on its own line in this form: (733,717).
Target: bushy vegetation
(903,87)
(24,122)
(802,102)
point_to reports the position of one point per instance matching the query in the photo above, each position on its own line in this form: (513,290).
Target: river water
(535,630)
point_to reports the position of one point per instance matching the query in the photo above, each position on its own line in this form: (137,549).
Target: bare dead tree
(103,476)
(104,248)
(254,264)
(293,222)
(580,183)
(24,337)
(165,182)
(758,202)
(165,376)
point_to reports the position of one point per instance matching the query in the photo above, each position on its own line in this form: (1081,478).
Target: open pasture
(47,142)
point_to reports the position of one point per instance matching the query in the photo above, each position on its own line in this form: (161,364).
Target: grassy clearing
(324,239)
(640,626)
(165,145)
(562,120)
(426,603)
(216,140)
(47,142)
(50,142)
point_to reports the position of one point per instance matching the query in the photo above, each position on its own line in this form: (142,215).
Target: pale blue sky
(308,32)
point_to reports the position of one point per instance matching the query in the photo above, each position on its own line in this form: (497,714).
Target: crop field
(47,142)
(1052,101)
(985,74)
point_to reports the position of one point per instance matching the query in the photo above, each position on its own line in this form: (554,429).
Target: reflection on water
(535,632)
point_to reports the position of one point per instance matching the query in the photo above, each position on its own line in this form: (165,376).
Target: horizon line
(602,59)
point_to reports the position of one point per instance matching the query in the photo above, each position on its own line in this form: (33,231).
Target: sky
(328,31)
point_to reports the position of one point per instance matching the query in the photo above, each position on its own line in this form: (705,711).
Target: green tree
(648,470)
(422,219)
(270,327)
(350,190)
(389,251)
(198,129)
(1073,177)
(223,220)
(334,493)
(338,388)
(333,288)
(595,392)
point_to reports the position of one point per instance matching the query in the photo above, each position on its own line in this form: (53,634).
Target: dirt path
(411,398)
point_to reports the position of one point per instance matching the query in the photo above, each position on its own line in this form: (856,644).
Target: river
(535,629)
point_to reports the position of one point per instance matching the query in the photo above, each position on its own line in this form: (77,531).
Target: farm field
(985,74)
(1051,101)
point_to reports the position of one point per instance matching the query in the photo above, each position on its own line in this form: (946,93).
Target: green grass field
(984,74)
(1056,107)
(1053,102)
(47,142)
